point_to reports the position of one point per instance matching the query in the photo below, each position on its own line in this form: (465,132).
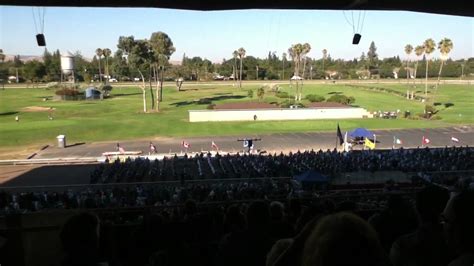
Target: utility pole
(257,71)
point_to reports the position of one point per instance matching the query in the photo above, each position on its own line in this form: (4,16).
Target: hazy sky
(214,35)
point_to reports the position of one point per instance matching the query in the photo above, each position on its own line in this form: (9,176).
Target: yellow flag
(369,144)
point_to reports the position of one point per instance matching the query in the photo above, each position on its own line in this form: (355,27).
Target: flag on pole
(185,144)
(339,135)
(346,144)
(214,145)
(152,148)
(454,139)
(369,144)
(425,140)
(397,140)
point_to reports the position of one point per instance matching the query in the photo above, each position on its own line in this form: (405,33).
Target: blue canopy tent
(361,133)
(312,177)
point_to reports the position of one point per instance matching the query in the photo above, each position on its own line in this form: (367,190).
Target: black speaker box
(356,38)
(40,39)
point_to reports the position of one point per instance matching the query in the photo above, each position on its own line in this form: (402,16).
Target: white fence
(277,114)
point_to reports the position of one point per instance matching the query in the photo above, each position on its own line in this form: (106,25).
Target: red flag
(214,145)
(185,144)
(425,140)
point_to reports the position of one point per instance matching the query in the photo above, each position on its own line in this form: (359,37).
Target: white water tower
(67,67)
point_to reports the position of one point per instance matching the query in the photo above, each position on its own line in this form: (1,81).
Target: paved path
(439,137)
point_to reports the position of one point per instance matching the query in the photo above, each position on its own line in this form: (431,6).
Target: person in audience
(458,224)
(397,219)
(343,239)
(426,246)
(279,227)
(250,246)
(287,251)
(80,240)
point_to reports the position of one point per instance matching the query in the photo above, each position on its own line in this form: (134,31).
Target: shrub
(282,94)
(314,98)
(67,92)
(261,93)
(430,109)
(250,94)
(285,104)
(351,100)
(339,98)
(106,88)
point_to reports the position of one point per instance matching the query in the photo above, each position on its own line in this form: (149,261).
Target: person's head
(80,234)
(308,214)
(276,211)
(458,222)
(190,207)
(294,207)
(234,218)
(343,239)
(257,214)
(430,202)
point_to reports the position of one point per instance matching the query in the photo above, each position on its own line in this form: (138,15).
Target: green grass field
(121,117)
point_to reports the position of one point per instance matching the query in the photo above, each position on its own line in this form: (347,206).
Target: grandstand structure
(236,209)
(124,194)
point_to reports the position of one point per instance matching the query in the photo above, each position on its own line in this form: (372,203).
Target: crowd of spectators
(331,163)
(190,184)
(158,195)
(144,195)
(268,221)
(434,230)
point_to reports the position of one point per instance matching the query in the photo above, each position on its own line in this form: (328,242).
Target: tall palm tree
(241,52)
(325,55)
(419,50)
(408,50)
(444,46)
(2,56)
(107,52)
(283,57)
(296,52)
(235,54)
(306,49)
(99,54)
(430,46)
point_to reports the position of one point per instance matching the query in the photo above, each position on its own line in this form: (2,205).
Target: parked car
(219,77)
(113,80)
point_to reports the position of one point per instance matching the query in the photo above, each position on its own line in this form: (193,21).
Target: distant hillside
(24,58)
